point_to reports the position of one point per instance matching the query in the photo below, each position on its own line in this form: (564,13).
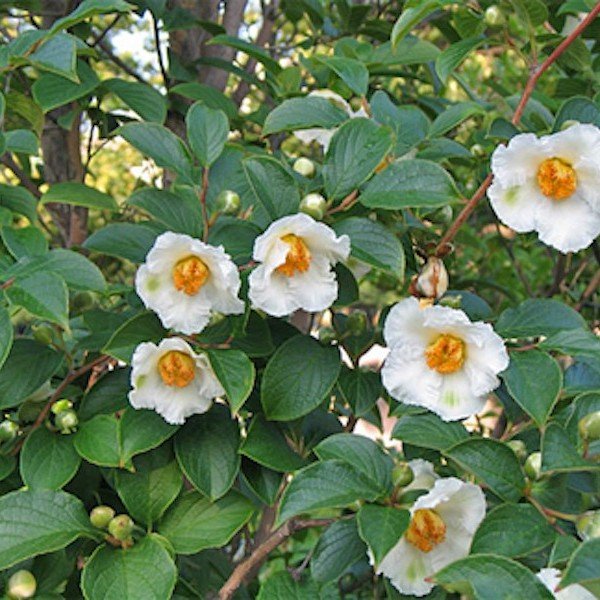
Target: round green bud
(327,336)
(454,301)
(305,167)
(313,205)
(533,465)
(589,426)
(228,202)
(477,150)
(21,584)
(519,448)
(588,525)
(83,301)
(101,516)
(357,322)
(494,17)
(61,405)
(8,430)
(121,527)
(402,475)
(569,123)
(66,421)
(43,333)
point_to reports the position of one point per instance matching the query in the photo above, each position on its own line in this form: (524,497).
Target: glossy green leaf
(559,455)
(90,8)
(78,194)
(382,527)
(429,431)
(124,240)
(6,336)
(24,241)
(454,116)
(143,99)
(351,71)
(282,586)
(57,55)
(411,17)
(107,395)
(22,141)
(453,56)
(584,567)
(207,131)
(236,373)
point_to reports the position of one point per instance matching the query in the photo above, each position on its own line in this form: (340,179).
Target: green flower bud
(357,322)
(533,465)
(589,426)
(305,167)
(66,421)
(101,516)
(327,336)
(569,123)
(494,17)
(83,301)
(8,430)
(313,205)
(519,448)
(121,527)
(402,475)
(22,584)
(61,405)
(477,150)
(588,525)
(228,202)
(43,333)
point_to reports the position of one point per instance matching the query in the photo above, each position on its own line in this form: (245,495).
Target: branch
(263,550)
(161,63)
(443,246)
(8,161)
(122,65)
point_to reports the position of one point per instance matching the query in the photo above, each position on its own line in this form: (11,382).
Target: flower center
(190,274)
(446,354)
(426,530)
(557,178)
(177,368)
(297,258)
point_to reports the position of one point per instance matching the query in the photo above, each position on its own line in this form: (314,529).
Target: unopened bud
(101,516)
(477,150)
(61,405)
(21,584)
(432,282)
(533,465)
(589,427)
(402,475)
(569,123)
(305,167)
(66,421)
(83,301)
(121,527)
(588,525)
(519,448)
(357,322)
(494,16)
(228,202)
(313,205)
(327,335)
(8,430)
(43,333)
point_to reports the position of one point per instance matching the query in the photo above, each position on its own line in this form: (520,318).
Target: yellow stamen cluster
(298,256)
(426,530)
(177,368)
(446,354)
(190,274)
(557,179)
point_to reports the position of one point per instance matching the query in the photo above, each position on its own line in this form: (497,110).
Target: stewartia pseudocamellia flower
(551,578)
(172,380)
(550,185)
(296,255)
(441,529)
(183,280)
(441,360)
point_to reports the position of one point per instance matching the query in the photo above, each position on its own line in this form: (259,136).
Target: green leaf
(252,50)
(131,241)
(281,586)
(351,71)
(207,131)
(429,431)
(236,236)
(48,460)
(361,453)
(19,200)
(142,98)
(107,395)
(532,12)
(17,379)
(360,389)
(581,343)
(57,55)
(411,17)
(410,184)
(381,527)
(6,336)
(493,463)
(487,575)
(304,113)
(207,451)
(160,144)
(212,97)
(79,194)
(356,150)
(501,532)
(144,327)
(584,567)
(152,488)
(263,482)
(298,377)
(236,373)
(266,444)
(272,187)
(194,523)
(24,241)
(578,108)
(374,244)
(559,455)
(454,116)
(90,8)
(538,317)
(144,572)
(337,549)
(535,395)
(448,60)
(22,141)
(38,522)
(328,484)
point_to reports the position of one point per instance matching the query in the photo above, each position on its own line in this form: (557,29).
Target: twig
(345,204)
(122,65)
(592,286)
(7,283)
(103,33)
(203,193)
(161,63)
(28,184)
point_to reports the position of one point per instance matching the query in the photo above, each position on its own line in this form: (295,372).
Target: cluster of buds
(65,418)
(119,527)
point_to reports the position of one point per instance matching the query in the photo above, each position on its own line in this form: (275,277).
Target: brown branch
(100,36)
(159,55)
(121,64)
(592,286)
(345,204)
(260,554)
(28,184)
(443,246)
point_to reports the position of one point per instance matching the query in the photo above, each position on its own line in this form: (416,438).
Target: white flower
(550,185)
(551,578)
(440,532)
(441,360)
(323,136)
(172,380)
(423,475)
(297,254)
(183,280)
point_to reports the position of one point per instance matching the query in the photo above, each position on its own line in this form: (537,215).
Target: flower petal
(424,475)
(518,162)
(515,206)
(404,324)
(457,399)
(269,292)
(316,289)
